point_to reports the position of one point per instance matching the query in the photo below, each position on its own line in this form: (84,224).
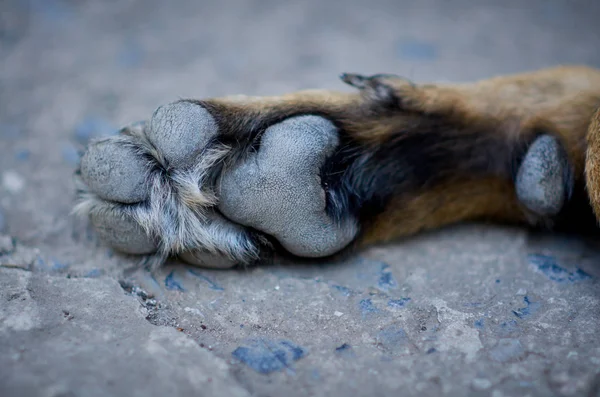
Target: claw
(379,87)
(355,80)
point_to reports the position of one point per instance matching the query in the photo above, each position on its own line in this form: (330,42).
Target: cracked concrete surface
(470,310)
(92,334)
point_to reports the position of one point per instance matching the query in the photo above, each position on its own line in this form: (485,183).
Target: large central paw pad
(278,191)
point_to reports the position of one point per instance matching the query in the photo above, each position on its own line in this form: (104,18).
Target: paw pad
(181,130)
(544,180)
(151,189)
(278,191)
(114,171)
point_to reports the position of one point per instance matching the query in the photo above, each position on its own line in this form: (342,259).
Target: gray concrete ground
(471,310)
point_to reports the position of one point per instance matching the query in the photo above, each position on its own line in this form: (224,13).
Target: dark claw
(355,80)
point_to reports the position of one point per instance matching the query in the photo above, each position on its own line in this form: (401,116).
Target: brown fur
(592,166)
(503,112)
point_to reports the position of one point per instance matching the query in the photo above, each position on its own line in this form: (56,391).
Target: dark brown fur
(417,157)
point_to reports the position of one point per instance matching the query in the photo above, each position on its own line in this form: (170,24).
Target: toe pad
(115,172)
(181,130)
(544,179)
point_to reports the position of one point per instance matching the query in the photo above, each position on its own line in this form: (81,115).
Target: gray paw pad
(115,172)
(121,232)
(543,182)
(278,189)
(174,207)
(181,131)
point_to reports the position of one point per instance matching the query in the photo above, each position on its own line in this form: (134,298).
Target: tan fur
(490,199)
(593,163)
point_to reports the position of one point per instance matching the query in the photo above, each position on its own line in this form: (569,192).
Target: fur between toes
(172,198)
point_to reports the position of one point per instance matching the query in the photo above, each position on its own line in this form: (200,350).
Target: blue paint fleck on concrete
(148,282)
(507,328)
(342,290)
(22,154)
(366,306)
(431,350)
(58,265)
(343,348)
(479,324)
(70,154)
(39,264)
(172,283)
(416,50)
(49,265)
(529,309)
(266,356)
(93,127)
(391,338)
(373,273)
(549,266)
(93,273)
(386,278)
(211,284)
(398,303)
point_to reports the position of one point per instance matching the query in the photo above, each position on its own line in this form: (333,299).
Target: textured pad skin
(277,189)
(180,131)
(544,180)
(113,171)
(122,233)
